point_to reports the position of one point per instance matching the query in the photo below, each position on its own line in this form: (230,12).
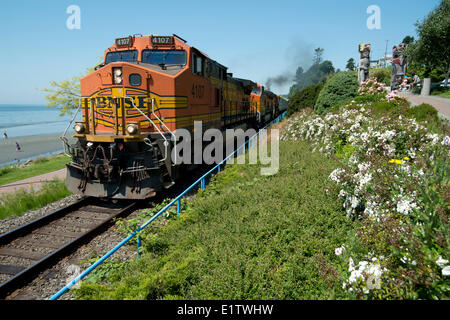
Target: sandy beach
(31,146)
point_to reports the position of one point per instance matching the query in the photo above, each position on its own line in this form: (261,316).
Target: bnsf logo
(110,102)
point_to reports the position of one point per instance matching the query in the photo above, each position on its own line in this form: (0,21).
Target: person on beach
(17,147)
(5,135)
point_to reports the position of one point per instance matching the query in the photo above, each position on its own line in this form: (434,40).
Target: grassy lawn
(441,92)
(38,166)
(23,200)
(247,236)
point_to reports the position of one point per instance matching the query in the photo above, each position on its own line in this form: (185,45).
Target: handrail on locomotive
(116,124)
(166,142)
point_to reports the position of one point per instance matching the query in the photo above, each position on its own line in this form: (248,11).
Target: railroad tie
(20,253)
(10,270)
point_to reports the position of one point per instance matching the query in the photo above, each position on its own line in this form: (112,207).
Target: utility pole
(385,53)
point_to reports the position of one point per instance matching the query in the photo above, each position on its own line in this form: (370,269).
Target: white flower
(387,135)
(355,202)
(446,271)
(433,137)
(446,141)
(369,273)
(351,265)
(334,175)
(371,208)
(365,179)
(339,251)
(441,262)
(406,206)
(353,159)
(363,166)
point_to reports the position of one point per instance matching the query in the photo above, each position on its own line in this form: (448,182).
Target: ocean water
(20,120)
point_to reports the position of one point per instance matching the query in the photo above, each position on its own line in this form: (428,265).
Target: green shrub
(363,99)
(305,98)
(382,75)
(340,88)
(428,115)
(389,107)
(423,112)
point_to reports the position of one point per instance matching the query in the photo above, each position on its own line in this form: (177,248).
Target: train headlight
(79,128)
(118,77)
(132,128)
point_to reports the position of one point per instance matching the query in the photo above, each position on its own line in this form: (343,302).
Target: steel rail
(23,277)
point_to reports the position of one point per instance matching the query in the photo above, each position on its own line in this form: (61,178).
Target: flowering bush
(391,96)
(394,184)
(372,90)
(371,87)
(382,75)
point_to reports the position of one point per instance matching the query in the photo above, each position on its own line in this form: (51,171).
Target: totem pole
(364,62)
(398,66)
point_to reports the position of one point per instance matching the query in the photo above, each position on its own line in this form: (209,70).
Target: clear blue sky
(254,39)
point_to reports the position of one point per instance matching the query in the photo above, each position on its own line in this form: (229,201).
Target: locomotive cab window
(127,56)
(256,90)
(217,97)
(197,64)
(164,57)
(223,74)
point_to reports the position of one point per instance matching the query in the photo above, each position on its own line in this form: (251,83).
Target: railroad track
(31,248)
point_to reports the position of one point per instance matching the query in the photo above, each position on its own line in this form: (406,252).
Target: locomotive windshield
(165,57)
(128,56)
(256,91)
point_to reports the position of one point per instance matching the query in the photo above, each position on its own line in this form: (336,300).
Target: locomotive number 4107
(198,91)
(162,40)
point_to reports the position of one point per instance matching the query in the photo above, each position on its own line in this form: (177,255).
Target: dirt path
(33,182)
(442,105)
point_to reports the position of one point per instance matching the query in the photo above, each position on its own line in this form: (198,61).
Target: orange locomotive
(133,103)
(266,103)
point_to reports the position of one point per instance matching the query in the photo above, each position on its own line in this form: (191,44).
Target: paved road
(33,182)
(442,105)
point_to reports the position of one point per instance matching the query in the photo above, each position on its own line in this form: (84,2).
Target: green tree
(298,73)
(408,40)
(351,65)
(65,95)
(318,52)
(431,49)
(317,73)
